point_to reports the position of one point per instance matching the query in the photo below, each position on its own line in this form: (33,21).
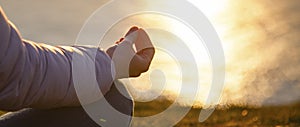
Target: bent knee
(120,99)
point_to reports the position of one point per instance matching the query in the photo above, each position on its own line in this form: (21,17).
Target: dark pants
(68,117)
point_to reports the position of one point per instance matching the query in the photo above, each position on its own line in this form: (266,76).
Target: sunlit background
(260,40)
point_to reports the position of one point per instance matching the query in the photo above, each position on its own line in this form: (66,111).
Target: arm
(40,76)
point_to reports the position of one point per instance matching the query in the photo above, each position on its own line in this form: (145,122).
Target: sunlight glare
(210,8)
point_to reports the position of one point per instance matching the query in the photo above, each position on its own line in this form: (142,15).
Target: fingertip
(132,29)
(141,29)
(121,39)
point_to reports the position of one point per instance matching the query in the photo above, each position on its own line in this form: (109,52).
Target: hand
(127,61)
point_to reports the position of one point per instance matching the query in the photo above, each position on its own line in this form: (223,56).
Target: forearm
(5,32)
(40,76)
(44,79)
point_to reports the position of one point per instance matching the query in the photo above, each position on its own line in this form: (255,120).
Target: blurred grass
(1,112)
(279,116)
(270,116)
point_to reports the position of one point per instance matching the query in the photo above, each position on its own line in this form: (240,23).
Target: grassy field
(278,116)
(272,116)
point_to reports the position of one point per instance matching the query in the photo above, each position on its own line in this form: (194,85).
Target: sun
(178,32)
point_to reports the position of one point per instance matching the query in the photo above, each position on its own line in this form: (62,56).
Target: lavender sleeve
(34,75)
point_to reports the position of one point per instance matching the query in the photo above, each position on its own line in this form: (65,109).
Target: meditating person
(37,85)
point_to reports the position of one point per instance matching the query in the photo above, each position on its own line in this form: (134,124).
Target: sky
(260,39)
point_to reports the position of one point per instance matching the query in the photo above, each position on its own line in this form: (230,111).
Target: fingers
(138,65)
(144,46)
(110,51)
(141,62)
(127,46)
(140,38)
(119,41)
(129,35)
(124,55)
(143,41)
(147,54)
(132,29)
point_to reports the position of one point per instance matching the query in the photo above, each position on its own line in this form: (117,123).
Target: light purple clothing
(40,76)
